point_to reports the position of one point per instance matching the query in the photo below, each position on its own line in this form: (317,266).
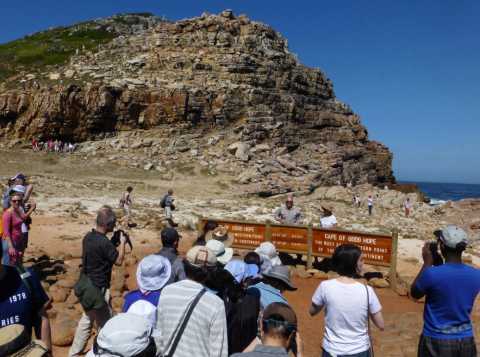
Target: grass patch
(47,48)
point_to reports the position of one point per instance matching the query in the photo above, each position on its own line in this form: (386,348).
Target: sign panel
(245,235)
(291,239)
(377,249)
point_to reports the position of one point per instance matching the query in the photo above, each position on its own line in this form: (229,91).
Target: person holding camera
(99,255)
(450,289)
(278,333)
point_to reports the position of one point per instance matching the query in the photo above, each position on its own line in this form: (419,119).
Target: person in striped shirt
(205,333)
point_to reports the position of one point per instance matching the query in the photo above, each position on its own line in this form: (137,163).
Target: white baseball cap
(224,255)
(451,236)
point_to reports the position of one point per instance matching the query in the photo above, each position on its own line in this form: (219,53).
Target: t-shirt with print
(450,291)
(346,313)
(17,303)
(100,255)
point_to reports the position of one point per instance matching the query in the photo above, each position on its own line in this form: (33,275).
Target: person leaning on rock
(287,213)
(93,289)
(450,290)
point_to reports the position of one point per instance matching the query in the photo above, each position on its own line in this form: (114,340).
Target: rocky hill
(221,91)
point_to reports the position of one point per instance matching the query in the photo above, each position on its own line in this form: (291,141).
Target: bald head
(106,219)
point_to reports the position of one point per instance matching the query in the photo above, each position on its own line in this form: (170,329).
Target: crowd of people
(51,145)
(216,302)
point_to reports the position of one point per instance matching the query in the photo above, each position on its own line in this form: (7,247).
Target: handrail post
(393,263)
(268,232)
(309,246)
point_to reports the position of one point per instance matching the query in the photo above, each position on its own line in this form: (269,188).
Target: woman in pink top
(13,218)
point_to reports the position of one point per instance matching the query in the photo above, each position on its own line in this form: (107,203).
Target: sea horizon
(446,191)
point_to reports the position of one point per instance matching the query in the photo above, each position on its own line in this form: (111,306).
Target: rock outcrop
(207,82)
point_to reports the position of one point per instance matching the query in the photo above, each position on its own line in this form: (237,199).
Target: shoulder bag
(178,332)
(372,354)
(89,296)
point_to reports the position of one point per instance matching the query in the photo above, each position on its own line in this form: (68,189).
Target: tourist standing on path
(14,241)
(370,204)
(278,334)
(23,301)
(98,257)
(408,206)
(348,306)
(170,240)
(167,204)
(287,213)
(6,193)
(450,290)
(126,202)
(153,273)
(205,331)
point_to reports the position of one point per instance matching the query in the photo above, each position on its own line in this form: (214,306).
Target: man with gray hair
(98,257)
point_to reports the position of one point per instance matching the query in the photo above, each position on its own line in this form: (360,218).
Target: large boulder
(63,330)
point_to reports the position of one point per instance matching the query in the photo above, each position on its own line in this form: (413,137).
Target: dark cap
(278,311)
(169,235)
(19,176)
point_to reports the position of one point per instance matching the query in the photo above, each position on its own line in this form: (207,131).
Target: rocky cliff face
(224,88)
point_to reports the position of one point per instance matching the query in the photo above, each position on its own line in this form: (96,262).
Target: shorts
(361,354)
(431,347)
(168,212)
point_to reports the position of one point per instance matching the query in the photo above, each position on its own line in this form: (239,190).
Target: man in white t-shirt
(370,204)
(328,220)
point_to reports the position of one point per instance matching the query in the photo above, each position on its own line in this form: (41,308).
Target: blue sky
(410,69)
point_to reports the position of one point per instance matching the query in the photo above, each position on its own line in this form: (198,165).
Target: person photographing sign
(450,290)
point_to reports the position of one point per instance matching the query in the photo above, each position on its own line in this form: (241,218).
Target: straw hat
(221,234)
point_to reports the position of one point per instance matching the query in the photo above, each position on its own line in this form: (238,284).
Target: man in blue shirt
(274,283)
(23,301)
(450,291)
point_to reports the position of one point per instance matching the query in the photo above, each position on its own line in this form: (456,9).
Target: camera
(116,238)
(437,258)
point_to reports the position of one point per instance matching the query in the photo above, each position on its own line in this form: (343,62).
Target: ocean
(437,191)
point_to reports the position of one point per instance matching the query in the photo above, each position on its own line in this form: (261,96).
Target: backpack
(163,202)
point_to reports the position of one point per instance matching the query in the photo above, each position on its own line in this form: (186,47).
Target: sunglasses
(16,201)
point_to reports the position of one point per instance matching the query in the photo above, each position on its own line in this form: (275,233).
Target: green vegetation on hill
(52,47)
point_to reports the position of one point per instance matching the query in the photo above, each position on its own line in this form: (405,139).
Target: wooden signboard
(290,239)
(380,250)
(247,235)
(376,249)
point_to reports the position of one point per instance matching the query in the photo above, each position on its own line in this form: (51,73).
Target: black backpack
(163,201)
